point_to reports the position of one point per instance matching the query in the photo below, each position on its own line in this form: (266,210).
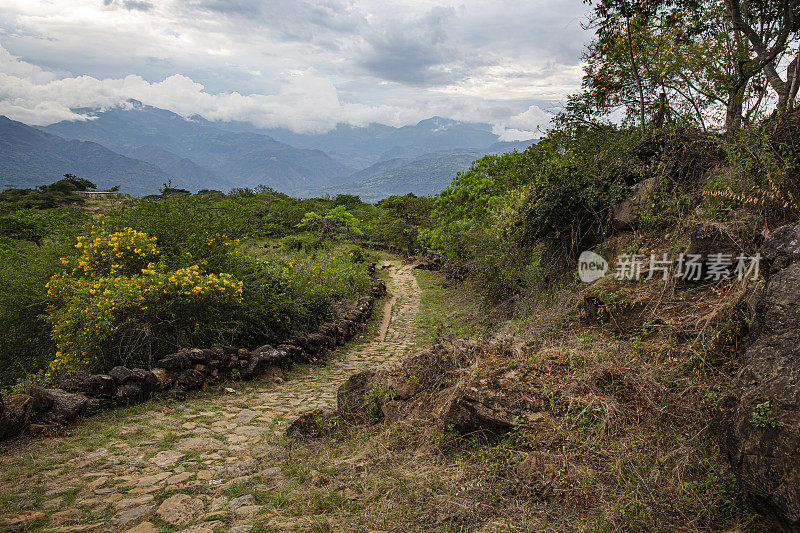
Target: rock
(757,423)
(246,528)
(175,361)
(198,443)
(247,510)
(146,380)
(316,344)
(261,359)
(316,423)
(503,399)
(121,374)
(205,527)
(191,379)
(353,396)
(181,509)
(62,406)
(166,458)
(781,249)
(90,384)
(626,214)
(130,393)
(16,415)
(166,378)
(378,290)
(144,527)
(126,517)
(242,501)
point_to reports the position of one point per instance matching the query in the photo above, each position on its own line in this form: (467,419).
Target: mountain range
(141,147)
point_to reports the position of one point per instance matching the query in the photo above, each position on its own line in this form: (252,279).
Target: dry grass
(627,450)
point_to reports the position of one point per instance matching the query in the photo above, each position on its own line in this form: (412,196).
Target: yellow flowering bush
(117,302)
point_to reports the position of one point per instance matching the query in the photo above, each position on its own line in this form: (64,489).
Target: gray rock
(175,361)
(125,517)
(626,214)
(757,423)
(90,384)
(121,374)
(58,405)
(241,501)
(130,393)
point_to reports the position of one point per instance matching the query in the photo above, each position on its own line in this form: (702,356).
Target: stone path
(192,466)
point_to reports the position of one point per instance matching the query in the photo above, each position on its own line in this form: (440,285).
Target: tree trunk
(635,68)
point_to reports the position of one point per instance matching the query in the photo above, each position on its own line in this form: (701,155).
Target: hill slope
(29,157)
(241,159)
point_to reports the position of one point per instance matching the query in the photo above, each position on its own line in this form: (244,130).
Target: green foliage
(513,221)
(118,303)
(61,192)
(284,291)
(763,417)
(401,221)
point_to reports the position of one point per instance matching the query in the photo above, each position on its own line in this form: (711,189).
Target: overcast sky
(304,65)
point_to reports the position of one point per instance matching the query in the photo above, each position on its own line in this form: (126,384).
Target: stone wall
(80,392)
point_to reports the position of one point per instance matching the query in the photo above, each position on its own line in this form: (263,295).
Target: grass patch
(447,311)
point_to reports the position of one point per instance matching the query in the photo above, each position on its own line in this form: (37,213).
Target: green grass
(446,312)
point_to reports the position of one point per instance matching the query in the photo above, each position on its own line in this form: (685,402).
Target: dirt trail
(178,466)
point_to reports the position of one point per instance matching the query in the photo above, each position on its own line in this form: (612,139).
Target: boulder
(146,379)
(57,405)
(378,289)
(16,415)
(316,344)
(129,393)
(316,423)
(94,385)
(626,214)
(757,423)
(363,394)
(261,359)
(191,379)
(121,374)
(175,361)
(495,403)
(166,378)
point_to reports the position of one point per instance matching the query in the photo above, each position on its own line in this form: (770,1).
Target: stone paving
(174,467)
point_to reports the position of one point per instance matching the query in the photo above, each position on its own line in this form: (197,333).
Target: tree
(338,221)
(770,26)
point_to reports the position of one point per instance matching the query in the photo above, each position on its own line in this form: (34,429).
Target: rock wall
(80,392)
(757,423)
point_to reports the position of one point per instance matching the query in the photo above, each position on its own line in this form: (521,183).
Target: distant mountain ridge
(140,147)
(29,157)
(426,175)
(239,159)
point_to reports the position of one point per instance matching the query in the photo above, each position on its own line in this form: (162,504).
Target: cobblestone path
(191,466)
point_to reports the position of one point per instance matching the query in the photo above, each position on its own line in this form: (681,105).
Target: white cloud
(530,124)
(305,65)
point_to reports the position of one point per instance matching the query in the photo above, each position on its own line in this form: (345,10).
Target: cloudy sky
(302,64)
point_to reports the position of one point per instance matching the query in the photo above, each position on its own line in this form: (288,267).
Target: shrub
(117,302)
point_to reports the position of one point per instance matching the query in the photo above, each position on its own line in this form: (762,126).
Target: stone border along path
(154,464)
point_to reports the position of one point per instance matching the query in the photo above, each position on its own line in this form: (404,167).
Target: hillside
(367,145)
(423,175)
(29,157)
(240,159)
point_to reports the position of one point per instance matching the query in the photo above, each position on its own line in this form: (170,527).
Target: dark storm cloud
(288,20)
(417,51)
